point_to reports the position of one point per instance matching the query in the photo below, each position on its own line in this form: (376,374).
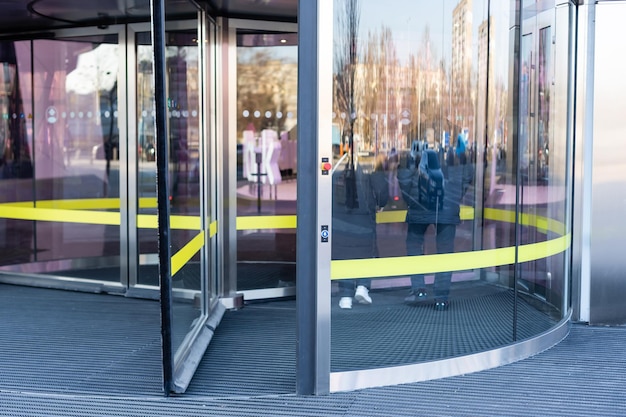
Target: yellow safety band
(56,215)
(432,264)
(180,258)
(88,211)
(266,222)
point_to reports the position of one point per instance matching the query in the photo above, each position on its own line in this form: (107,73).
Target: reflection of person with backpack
(354,227)
(422,213)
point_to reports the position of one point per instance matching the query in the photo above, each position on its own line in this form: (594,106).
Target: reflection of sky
(408,19)
(95,70)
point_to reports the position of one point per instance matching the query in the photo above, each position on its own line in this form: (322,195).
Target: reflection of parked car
(149,153)
(430,180)
(100,151)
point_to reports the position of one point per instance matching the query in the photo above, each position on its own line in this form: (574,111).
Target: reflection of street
(79,165)
(532,195)
(44,241)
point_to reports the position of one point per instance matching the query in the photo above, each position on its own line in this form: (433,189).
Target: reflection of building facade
(402,106)
(267,94)
(461,66)
(487,55)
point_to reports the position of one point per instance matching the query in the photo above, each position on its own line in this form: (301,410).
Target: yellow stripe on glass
(87,211)
(180,258)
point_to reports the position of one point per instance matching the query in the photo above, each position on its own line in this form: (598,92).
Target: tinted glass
(424,259)
(61,151)
(267,79)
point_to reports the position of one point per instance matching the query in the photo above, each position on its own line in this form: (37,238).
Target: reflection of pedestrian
(461,148)
(354,226)
(391,168)
(422,213)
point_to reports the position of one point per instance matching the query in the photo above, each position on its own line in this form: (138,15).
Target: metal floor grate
(77,354)
(389,333)
(583,376)
(68,342)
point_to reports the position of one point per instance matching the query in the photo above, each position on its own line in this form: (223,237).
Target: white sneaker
(345,302)
(362,295)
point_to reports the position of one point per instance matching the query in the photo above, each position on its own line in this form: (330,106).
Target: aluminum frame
(231,295)
(583,162)
(607,227)
(314,209)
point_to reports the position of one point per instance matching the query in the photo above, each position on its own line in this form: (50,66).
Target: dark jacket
(457,179)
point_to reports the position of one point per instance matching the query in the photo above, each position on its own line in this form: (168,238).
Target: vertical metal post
(314,197)
(306,247)
(34,181)
(586,33)
(162,157)
(481,148)
(517,117)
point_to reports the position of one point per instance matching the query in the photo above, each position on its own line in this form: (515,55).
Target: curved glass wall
(450,179)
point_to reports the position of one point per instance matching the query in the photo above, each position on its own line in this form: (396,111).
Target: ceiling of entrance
(41,15)
(270,9)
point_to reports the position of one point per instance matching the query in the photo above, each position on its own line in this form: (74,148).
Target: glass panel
(186,193)
(499,175)
(414,94)
(550,192)
(444,161)
(543,195)
(266,144)
(72,162)
(147,238)
(16,157)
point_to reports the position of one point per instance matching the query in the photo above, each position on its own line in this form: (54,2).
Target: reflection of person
(461,148)
(391,168)
(354,225)
(424,210)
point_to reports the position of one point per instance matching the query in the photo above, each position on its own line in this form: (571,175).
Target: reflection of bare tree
(345,63)
(378,63)
(428,80)
(265,84)
(399,102)
(385,101)
(346,54)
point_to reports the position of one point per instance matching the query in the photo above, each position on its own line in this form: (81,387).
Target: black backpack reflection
(430,180)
